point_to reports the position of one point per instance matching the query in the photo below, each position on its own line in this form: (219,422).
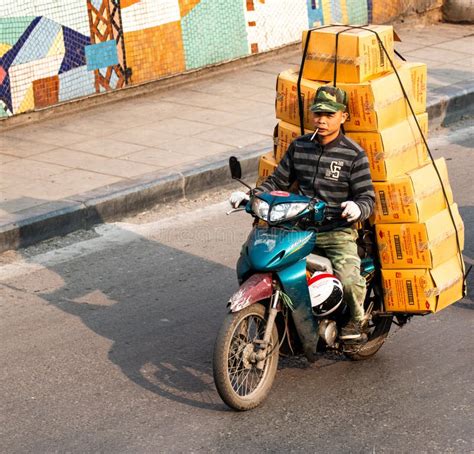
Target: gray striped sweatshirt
(334,173)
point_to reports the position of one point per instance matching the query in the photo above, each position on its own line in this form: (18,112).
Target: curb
(446,105)
(449,104)
(125,198)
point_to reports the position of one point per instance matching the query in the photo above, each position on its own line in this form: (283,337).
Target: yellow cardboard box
(286,102)
(378,103)
(396,150)
(414,197)
(424,245)
(419,75)
(266,167)
(286,133)
(359,55)
(373,105)
(423,290)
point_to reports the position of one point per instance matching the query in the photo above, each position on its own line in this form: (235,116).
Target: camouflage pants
(340,248)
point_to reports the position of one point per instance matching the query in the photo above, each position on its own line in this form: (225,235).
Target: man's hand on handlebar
(237,197)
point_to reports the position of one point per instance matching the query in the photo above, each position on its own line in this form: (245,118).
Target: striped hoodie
(334,173)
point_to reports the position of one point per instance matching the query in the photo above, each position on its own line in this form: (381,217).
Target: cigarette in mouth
(314,135)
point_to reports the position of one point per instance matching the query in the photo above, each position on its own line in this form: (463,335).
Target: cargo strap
(405,95)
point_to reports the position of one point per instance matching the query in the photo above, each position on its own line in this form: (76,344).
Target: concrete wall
(459,11)
(52,51)
(393,9)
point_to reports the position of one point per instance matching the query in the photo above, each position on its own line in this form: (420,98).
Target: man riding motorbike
(333,168)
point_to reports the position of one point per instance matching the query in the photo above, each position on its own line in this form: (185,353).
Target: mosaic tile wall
(52,51)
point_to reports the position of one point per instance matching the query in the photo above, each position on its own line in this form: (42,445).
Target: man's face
(329,123)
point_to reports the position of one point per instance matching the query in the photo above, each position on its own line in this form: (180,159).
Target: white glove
(351,211)
(237,197)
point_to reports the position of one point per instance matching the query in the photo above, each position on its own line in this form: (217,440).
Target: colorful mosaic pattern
(42,49)
(214,32)
(153,39)
(268,26)
(345,11)
(105,56)
(56,51)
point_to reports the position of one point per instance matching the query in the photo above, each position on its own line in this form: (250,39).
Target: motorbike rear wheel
(239,382)
(378,329)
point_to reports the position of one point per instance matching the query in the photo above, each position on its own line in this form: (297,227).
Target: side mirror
(235,168)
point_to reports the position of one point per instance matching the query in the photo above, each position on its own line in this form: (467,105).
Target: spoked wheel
(241,380)
(377,328)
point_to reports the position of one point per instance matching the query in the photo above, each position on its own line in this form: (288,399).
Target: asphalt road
(106,344)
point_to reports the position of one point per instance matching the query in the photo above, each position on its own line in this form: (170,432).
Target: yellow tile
(28,102)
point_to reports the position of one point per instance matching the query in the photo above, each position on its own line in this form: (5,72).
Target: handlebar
(331,226)
(241,207)
(234,210)
(341,223)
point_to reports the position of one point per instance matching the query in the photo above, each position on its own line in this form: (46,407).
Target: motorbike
(289,301)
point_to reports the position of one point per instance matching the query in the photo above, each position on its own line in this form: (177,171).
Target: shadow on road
(162,314)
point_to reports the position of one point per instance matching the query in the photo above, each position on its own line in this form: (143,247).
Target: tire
(247,387)
(378,330)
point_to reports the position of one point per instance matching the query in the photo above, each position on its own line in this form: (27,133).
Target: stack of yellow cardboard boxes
(416,237)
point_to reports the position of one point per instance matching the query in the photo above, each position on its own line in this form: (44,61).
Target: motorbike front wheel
(241,381)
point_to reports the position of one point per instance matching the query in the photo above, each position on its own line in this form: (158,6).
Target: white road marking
(113,234)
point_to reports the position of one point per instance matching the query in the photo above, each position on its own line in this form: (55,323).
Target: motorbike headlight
(260,208)
(286,211)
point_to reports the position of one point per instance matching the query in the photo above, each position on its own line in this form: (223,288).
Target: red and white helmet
(326,293)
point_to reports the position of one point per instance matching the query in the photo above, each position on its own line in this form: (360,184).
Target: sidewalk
(73,171)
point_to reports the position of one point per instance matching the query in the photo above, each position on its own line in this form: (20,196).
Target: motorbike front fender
(256,288)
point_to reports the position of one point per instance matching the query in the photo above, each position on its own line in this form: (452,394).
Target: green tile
(214,31)
(357,12)
(11,28)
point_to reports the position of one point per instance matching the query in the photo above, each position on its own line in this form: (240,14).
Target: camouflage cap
(329,99)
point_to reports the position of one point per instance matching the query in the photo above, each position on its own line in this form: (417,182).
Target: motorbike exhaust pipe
(327,330)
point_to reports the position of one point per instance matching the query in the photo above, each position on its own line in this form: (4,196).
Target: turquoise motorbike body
(278,251)
(281,248)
